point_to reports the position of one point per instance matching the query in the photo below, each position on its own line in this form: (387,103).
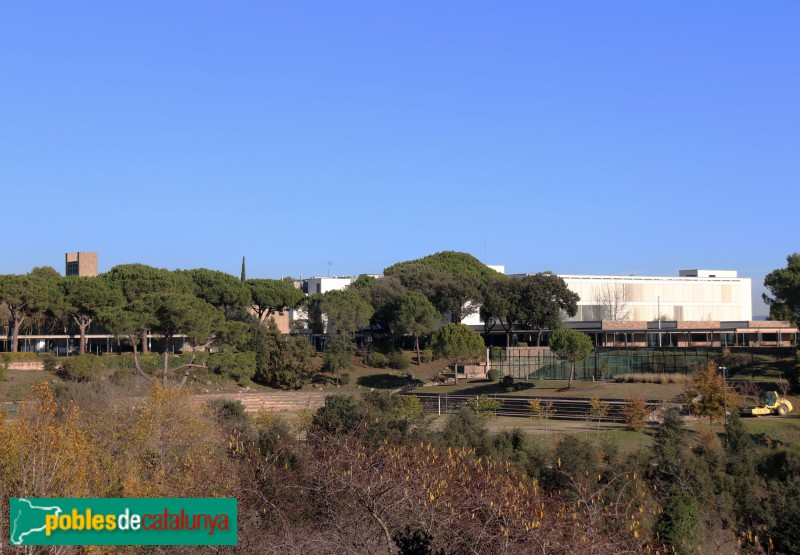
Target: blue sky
(619,137)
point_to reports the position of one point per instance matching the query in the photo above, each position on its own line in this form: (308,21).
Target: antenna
(329,268)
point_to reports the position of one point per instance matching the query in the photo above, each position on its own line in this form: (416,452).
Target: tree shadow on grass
(387,381)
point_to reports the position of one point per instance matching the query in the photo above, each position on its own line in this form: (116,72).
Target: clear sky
(617,137)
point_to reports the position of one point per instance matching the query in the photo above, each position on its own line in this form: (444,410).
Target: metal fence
(564,408)
(602,363)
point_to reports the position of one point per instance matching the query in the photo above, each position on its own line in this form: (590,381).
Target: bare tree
(612,301)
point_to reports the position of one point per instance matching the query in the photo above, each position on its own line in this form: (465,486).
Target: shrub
(227,409)
(49,361)
(598,409)
(122,375)
(466,428)
(276,442)
(634,415)
(426,355)
(493,375)
(522,344)
(149,362)
(344,378)
(237,366)
(82,367)
(398,360)
(23,356)
(413,540)
(508,380)
(653,377)
(377,360)
(679,522)
(485,406)
(341,414)
(577,460)
(338,353)
(496,353)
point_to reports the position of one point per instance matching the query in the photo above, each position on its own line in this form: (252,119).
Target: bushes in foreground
(376,456)
(82,367)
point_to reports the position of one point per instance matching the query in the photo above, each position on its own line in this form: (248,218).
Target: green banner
(122,521)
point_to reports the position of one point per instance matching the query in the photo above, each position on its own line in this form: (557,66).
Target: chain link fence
(602,363)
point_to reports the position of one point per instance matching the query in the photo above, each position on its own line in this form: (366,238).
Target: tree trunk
(571,374)
(83,324)
(507,329)
(539,338)
(259,312)
(13,333)
(166,363)
(455,372)
(136,364)
(143,339)
(416,345)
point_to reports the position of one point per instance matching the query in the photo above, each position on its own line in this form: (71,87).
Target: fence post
(439,398)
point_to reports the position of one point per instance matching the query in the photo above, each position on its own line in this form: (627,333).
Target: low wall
(25,365)
(473,371)
(527,351)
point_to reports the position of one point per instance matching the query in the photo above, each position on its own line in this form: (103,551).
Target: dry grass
(654,378)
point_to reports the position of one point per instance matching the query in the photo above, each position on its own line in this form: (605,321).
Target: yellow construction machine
(770,403)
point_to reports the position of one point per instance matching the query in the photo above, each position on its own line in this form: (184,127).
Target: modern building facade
(315,285)
(83,264)
(693,295)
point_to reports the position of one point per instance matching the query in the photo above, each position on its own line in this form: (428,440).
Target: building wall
(678,298)
(324,284)
(83,264)
(282,321)
(315,285)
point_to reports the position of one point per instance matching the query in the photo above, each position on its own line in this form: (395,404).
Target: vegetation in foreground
(372,475)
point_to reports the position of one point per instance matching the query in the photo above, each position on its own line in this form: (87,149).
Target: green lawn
(775,432)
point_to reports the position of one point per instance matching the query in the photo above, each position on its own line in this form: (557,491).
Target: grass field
(773,432)
(18,383)
(768,432)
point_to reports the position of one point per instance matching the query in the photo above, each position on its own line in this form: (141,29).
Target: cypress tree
(243,272)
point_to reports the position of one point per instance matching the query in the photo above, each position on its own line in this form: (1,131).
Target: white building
(694,295)
(314,285)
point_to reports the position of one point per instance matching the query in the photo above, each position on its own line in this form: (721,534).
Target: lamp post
(659,320)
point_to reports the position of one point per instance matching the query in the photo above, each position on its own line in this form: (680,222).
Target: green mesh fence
(602,363)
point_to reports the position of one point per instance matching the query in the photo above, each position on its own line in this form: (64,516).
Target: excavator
(769,403)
